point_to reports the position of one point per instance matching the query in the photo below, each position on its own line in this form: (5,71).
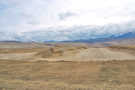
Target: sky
(31,15)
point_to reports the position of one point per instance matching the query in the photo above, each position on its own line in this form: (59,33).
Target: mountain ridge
(89,34)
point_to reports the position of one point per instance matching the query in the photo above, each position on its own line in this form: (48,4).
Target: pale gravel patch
(94,54)
(103,54)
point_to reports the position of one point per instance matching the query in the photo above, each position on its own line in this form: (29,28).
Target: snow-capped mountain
(77,33)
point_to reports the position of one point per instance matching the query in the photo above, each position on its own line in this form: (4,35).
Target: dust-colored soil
(33,66)
(65,52)
(41,75)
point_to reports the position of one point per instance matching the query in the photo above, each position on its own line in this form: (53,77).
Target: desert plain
(66,66)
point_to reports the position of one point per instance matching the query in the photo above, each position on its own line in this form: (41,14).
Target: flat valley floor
(23,75)
(30,69)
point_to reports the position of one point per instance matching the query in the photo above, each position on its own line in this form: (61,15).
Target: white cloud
(28,15)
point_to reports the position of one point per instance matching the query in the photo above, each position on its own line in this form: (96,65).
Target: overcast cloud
(29,15)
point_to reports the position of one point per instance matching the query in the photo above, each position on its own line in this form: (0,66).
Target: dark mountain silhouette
(129,35)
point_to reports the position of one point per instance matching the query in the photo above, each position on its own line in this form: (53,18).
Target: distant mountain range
(88,34)
(125,36)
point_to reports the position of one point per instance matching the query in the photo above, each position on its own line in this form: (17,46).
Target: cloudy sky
(28,15)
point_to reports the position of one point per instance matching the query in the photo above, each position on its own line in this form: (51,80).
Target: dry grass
(123,47)
(127,48)
(24,75)
(31,74)
(59,50)
(6,51)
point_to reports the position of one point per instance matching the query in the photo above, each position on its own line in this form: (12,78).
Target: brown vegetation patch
(24,75)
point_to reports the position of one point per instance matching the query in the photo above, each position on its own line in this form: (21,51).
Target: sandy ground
(41,75)
(65,53)
(66,67)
